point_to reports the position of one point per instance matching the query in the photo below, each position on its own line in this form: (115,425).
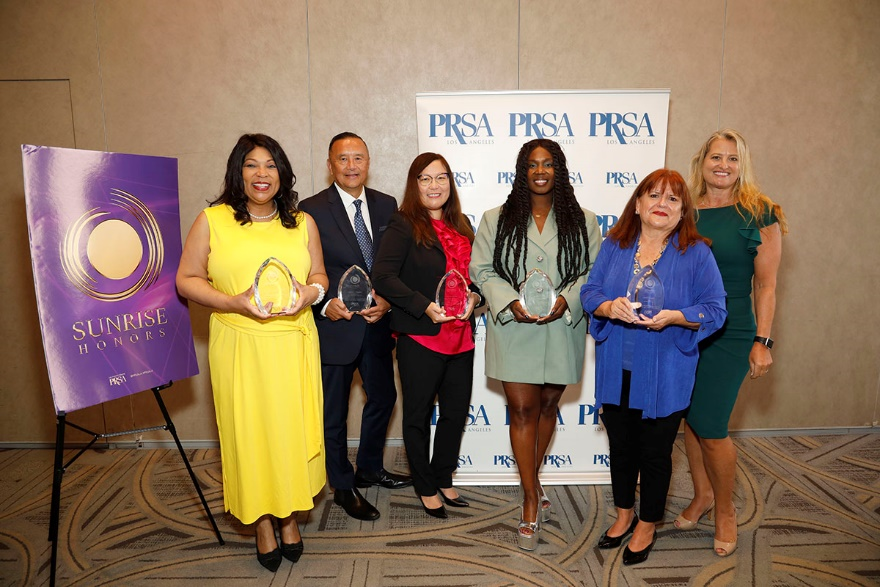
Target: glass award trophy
(645,292)
(452,294)
(537,294)
(355,289)
(274,287)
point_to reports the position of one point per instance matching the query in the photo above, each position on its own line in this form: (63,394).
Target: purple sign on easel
(105,243)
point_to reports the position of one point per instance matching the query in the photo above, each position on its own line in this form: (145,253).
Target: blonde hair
(746,193)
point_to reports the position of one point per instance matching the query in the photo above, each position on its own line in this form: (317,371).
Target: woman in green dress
(746,230)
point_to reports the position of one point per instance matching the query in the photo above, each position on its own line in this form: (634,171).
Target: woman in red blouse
(428,237)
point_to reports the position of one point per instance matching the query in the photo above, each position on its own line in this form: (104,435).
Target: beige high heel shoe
(683,523)
(723,549)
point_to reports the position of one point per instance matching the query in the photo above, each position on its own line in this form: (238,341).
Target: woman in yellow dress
(265,368)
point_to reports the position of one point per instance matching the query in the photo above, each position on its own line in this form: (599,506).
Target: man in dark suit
(351,220)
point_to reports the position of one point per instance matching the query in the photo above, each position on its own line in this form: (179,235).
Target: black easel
(61,466)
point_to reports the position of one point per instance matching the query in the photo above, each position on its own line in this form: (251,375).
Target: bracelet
(765,340)
(321,293)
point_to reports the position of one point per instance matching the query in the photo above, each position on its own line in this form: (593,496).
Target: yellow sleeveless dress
(266,376)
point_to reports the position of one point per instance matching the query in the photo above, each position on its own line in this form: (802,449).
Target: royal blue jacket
(664,362)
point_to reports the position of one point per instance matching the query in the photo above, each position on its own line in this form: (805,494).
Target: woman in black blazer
(425,239)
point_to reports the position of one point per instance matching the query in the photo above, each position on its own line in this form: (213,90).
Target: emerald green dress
(724,356)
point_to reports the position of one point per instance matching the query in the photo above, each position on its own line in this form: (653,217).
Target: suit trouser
(377,373)
(424,375)
(640,446)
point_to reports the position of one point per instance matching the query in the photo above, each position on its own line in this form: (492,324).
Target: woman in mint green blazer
(540,226)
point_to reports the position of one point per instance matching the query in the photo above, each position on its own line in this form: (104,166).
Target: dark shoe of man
(355,505)
(382,478)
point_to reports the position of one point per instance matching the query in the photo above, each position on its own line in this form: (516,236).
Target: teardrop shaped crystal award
(452,294)
(274,284)
(645,292)
(355,289)
(537,294)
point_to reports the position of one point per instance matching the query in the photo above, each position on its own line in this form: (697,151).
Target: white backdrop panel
(612,139)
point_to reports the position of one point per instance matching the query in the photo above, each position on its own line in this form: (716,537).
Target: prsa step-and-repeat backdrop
(611,139)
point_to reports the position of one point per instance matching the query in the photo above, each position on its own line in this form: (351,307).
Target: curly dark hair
(511,239)
(233,184)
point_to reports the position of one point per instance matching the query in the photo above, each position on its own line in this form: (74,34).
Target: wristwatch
(765,340)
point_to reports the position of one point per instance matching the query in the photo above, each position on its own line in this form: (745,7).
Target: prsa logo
(588,415)
(621,179)
(576,178)
(627,128)
(504,461)
(558,461)
(465,462)
(467,128)
(477,416)
(534,124)
(602,460)
(464,179)
(606,221)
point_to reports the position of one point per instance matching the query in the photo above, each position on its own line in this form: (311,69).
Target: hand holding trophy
(645,292)
(452,294)
(275,288)
(537,294)
(355,289)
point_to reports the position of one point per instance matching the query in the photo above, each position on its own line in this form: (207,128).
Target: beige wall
(183,79)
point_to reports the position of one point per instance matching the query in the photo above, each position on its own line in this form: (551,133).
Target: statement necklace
(267,216)
(637,266)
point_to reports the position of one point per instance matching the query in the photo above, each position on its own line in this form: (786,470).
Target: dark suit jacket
(407,276)
(341,341)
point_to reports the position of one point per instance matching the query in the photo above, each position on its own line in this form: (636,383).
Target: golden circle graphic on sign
(99,251)
(114,249)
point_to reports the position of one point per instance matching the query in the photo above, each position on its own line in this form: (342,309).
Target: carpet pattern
(808,506)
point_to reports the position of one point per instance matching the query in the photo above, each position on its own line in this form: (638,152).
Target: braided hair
(511,238)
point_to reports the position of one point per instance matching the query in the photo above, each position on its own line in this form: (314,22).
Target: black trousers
(377,374)
(640,446)
(424,375)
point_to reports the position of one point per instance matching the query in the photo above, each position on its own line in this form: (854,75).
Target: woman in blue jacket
(645,361)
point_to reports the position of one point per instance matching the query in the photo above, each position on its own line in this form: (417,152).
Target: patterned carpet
(809,515)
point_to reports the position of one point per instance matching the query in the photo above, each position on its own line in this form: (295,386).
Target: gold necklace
(637,266)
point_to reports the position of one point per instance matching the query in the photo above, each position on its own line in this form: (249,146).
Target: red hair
(629,226)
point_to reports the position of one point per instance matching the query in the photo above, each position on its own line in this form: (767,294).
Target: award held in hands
(274,287)
(452,294)
(645,292)
(355,289)
(537,294)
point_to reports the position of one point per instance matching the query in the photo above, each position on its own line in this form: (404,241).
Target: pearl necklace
(267,216)
(637,266)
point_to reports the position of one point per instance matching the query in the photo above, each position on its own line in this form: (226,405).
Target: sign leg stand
(56,491)
(170,426)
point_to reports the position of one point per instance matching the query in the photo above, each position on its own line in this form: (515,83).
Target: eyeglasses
(426,180)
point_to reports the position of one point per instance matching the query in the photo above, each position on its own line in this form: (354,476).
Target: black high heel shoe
(455,502)
(634,558)
(435,512)
(292,552)
(270,560)
(613,542)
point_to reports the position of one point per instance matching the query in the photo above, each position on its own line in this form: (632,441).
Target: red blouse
(456,336)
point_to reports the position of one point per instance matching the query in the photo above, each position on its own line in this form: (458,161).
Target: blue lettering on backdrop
(460,126)
(539,125)
(585,411)
(606,221)
(623,126)
(621,178)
